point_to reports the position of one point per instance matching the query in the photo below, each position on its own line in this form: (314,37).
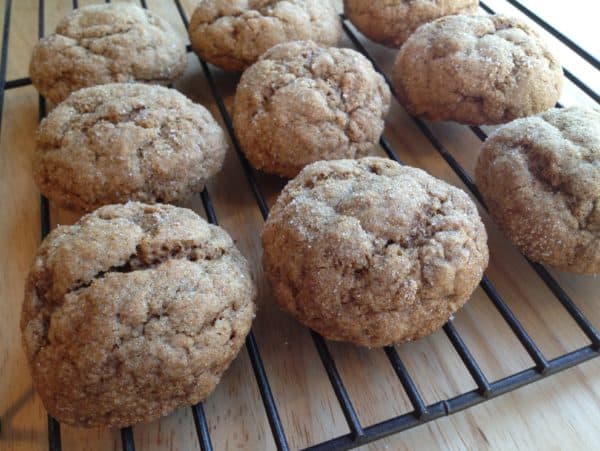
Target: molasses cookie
(372,252)
(232,35)
(540,178)
(98,44)
(302,103)
(133,311)
(131,141)
(391,22)
(476,70)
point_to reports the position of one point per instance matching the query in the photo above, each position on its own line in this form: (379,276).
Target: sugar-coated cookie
(476,70)
(302,103)
(133,311)
(372,252)
(540,178)
(126,141)
(391,22)
(97,44)
(232,35)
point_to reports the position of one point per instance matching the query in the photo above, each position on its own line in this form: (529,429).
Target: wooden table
(561,412)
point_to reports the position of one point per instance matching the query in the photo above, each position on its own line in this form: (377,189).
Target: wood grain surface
(561,412)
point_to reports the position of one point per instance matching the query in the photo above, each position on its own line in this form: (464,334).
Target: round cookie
(132,312)
(232,35)
(476,70)
(540,178)
(118,142)
(302,103)
(109,43)
(372,252)
(391,22)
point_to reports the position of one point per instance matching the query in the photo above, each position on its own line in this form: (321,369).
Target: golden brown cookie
(131,141)
(302,103)
(372,252)
(132,312)
(99,44)
(540,178)
(232,35)
(391,22)
(476,70)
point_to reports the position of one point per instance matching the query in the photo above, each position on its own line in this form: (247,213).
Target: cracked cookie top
(131,141)
(133,311)
(476,70)
(391,22)
(233,34)
(372,252)
(98,44)
(302,103)
(540,177)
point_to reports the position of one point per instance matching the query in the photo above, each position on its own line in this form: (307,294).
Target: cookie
(302,103)
(372,252)
(131,141)
(232,35)
(132,312)
(476,70)
(391,22)
(540,178)
(109,43)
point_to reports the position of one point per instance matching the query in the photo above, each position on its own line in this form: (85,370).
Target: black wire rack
(421,413)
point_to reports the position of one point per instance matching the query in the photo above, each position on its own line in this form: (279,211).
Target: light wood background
(562,412)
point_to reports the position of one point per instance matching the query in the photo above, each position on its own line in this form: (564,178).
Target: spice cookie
(540,177)
(109,43)
(232,35)
(132,312)
(476,70)
(391,22)
(372,252)
(131,141)
(302,103)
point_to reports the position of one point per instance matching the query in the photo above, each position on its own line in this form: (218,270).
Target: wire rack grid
(421,413)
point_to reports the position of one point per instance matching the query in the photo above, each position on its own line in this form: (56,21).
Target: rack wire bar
(554,32)
(17,83)
(202,427)
(54,440)
(407,382)
(53,435)
(421,412)
(4,53)
(515,325)
(468,359)
(389,150)
(564,40)
(577,82)
(338,387)
(127,439)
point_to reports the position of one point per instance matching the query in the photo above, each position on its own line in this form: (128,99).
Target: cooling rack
(422,412)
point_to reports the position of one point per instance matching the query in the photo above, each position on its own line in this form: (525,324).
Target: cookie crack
(79,39)
(140,261)
(559,186)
